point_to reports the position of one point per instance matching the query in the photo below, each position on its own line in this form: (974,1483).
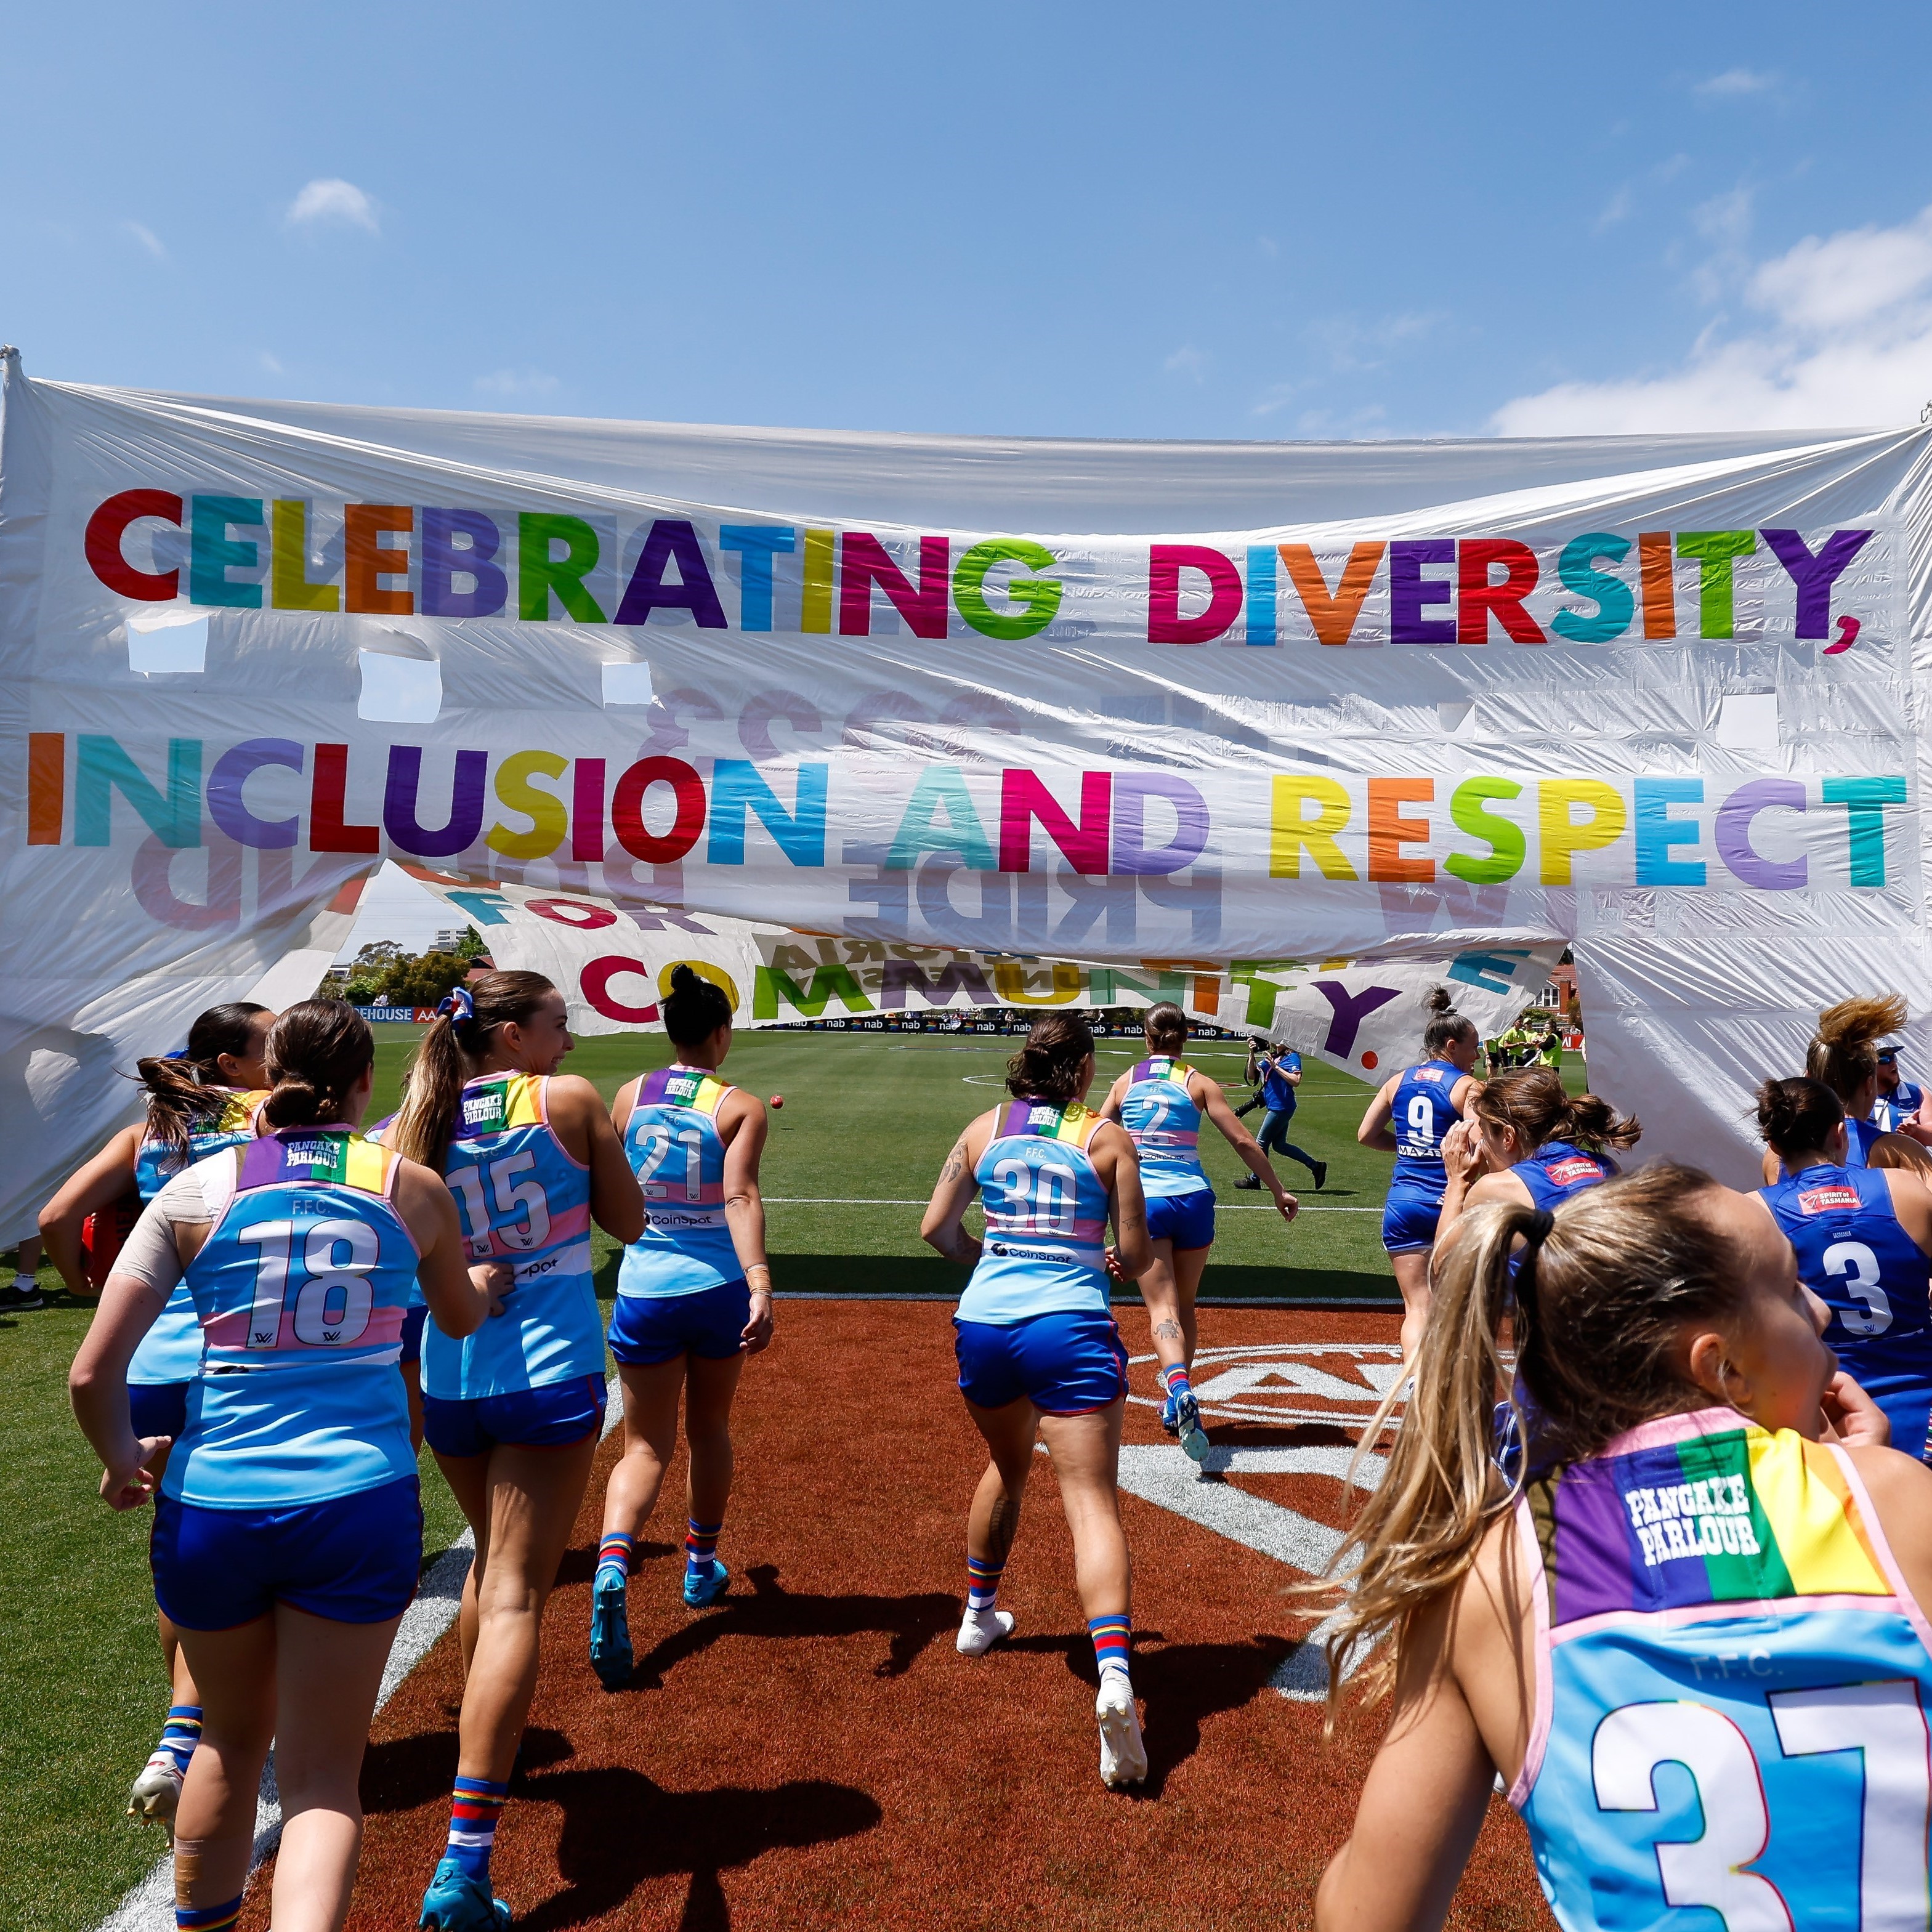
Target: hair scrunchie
(456,1005)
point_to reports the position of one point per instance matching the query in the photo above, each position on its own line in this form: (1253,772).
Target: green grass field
(867,1122)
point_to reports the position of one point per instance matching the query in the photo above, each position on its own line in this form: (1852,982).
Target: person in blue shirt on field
(1280,1070)
(1410,1117)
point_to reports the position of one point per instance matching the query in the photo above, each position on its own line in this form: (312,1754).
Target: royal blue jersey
(1045,1250)
(1558,1170)
(1854,1255)
(1859,1137)
(300,1288)
(672,1144)
(1420,1119)
(524,1199)
(1278,1093)
(1164,1124)
(170,1351)
(1891,1111)
(1731,1689)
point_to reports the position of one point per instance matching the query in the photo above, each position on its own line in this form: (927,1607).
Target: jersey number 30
(1883,1722)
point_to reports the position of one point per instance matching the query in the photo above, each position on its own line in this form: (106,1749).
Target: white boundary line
(149,1906)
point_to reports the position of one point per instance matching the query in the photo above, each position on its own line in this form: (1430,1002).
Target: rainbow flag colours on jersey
(1740,1516)
(1732,1690)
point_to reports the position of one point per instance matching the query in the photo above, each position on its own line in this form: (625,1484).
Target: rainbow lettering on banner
(1298,829)
(1597,587)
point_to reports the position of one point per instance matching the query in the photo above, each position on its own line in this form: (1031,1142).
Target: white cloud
(1187,361)
(271,362)
(517,382)
(147,238)
(1616,209)
(330,200)
(1736,82)
(1840,333)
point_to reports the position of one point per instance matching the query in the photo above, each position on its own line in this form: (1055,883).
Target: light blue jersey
(1164,1124)
(1733,1682)
(672,1142)
(170,1351)
(524,1198)
(300,1289)
(1045,1250)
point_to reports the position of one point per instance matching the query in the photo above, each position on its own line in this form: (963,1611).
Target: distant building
(450,939)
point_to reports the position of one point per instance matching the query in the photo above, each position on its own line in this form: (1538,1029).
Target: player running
(1039,1354)
(512,1410)
(1423,1102)
(1843,1056)
(198,1102)
(1863,1237)
(693,1300)
(288,1531)
(1161,1103)
(1694,1649)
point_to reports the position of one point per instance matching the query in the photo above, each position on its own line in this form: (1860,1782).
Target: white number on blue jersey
(1158,1119)
(1047,1211)
(514,1197)
(321,1320)
(1882,1721)
(658,1143)
(1422,1119)
(1857,1267)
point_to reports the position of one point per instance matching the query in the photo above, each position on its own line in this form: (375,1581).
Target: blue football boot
(703,1587)
(1187,1426)
(611,1631)
(455,1902)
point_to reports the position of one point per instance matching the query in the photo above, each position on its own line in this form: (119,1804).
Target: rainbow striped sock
(475,1807)
(614,1552)
(180,1735)
(1175,1376)
(1113,1639)
(983,1581)
(700,1543)
(209,1918)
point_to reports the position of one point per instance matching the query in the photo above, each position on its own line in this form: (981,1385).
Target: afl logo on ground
(1339,1382)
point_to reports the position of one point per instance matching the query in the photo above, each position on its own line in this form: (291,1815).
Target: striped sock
(1113,1638)
(180,1735)
(209,1918)
(614,1552)
(700,1543)
(1175,1377)
(982,1582)
(474,1806)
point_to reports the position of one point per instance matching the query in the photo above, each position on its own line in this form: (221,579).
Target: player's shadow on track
(912,1622)
(1180,1685)
(621,1828)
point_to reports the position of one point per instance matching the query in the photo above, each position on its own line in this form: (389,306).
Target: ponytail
(1446,1025)
(1590,1121)
(1048,1066)
(1603,1292)
(317,1050)
(1165,1026)
(1840,1053)
(1797,1117)
(184,1089)
(456,1042)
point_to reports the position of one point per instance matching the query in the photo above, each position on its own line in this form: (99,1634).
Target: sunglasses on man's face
(1887,1059)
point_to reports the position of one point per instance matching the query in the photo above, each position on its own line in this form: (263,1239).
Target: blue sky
(1271,221)
(1128,220)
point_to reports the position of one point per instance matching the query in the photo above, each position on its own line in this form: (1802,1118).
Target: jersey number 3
(1883,1722)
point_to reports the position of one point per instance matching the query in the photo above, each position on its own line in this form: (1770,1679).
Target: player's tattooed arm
(955,1163)
(944,1226)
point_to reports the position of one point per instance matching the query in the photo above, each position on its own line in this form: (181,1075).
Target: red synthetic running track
(814,1753)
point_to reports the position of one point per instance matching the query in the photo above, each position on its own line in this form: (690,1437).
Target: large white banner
(1113,705)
